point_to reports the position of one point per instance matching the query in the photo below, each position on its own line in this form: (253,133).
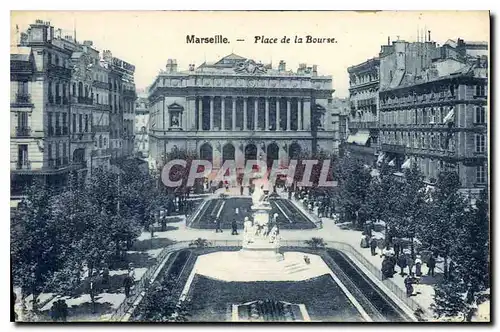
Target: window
(100,141)
(49,58)
(480,90)
(49,151)
(480,116)
(22,88)
(105,143)
(480,143)
(22,154)
(80,123)
(86,123)
(480,174)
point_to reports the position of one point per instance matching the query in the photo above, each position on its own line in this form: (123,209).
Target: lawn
(211,300)
(289,217)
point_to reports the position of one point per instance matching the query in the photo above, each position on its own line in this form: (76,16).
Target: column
(211,113)
(245,113)
(307,114)
(256,114)
(267,114)
(222,113)
(288,113)
(278,114)
(200,113)
(233,115)
(299,114)
(191,109)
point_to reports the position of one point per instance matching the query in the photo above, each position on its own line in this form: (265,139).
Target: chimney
(88,43)
(282,66)
(171,66)
(388,40)
(315,70)
(429,32)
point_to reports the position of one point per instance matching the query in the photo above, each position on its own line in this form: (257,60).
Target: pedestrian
(241,190)
(237,211)
(402,264)
(387,269)
(234,227)
(217,225)
(373,246)
(409,280)
(431,264)
(418,266)
(63,309)
(127,284)
(105,276)
(290,194)
(397,247)
(365,241)
(410,262)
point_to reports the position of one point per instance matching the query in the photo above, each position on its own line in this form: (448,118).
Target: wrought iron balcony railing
(23,131)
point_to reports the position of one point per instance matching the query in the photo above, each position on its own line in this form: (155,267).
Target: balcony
(85,100)
(23,131)
(26,165)
(362,125)
(431,152)
(394,148)
(129,93)
(100,129)
(104,107)
(59,71)
(82,137)
(23,98)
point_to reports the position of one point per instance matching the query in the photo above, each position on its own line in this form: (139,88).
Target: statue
(248,231)
(259,198)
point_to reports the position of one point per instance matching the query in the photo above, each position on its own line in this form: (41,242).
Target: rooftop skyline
(147,39)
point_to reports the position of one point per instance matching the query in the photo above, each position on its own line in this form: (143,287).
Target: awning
(392,163)
(406,164)
(358,138)
(381,157)
(450,116)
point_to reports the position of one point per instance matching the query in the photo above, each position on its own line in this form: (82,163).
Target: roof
(232,56)
(20,53)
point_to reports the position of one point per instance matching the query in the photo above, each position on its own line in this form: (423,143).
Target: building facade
(434,110)
(362,124)
(141,138)
(122,96)
(237,109)
(60,108)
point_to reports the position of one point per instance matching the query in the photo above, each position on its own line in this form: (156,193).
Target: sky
(148,38)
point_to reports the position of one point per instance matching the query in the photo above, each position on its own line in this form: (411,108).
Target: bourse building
(238,109)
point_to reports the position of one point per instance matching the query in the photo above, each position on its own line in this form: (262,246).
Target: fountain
(261,236)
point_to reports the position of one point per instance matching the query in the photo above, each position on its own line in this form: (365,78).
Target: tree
(410,207)
(161,303)
(471,278)
(354,185)
(34,242)
(316,243)
(381,198)
(447,211)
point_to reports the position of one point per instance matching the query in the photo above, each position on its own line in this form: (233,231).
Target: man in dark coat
(431,264)
(402,264)
(373,246)
(234,227)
